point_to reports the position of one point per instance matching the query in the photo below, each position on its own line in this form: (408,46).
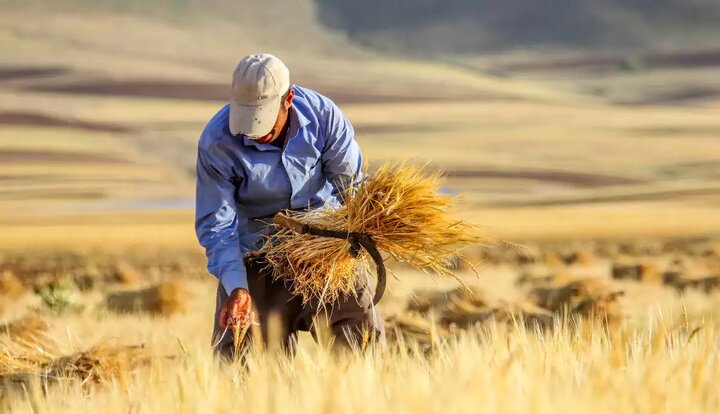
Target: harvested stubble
(399,206)
(166,298)
(707,284)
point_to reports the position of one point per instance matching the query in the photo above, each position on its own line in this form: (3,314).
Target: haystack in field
(399,206)
(166,298)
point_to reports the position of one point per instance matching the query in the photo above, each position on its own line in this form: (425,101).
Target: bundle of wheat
(426,300)
(97,365)
(590,297)
(458,308)
(28,327)
(126,274)
(11,289)
(414,328)
(399,206)
(166,298)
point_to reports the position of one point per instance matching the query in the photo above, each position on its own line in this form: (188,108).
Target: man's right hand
(236,309)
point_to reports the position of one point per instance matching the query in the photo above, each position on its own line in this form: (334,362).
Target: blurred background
(565,119)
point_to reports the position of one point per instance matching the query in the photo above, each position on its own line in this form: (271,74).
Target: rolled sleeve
(216,222)
(341,158)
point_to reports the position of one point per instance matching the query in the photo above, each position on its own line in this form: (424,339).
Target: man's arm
(216,222)
(341,157)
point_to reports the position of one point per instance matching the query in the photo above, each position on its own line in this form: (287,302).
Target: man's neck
(283,136)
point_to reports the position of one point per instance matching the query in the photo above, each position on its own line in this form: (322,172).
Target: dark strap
(356,241)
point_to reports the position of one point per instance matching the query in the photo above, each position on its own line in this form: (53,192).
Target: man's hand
(236,309)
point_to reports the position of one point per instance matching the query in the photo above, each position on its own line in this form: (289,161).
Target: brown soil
(10,155)
(28,72)
(655,196)
(392,128)
(563,177)
(206,91)
(38,119)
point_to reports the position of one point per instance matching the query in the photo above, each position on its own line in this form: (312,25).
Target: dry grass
(663,358)
(400,206)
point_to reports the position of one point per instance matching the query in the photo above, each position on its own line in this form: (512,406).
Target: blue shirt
(240,180)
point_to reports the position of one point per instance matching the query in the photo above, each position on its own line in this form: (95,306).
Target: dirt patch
(140,88)
(11,155)
(38,119)
(393,129)
(562,177)
(206,91)
(29,72)
(53,194)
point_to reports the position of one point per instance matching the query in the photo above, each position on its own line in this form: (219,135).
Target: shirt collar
(297,121)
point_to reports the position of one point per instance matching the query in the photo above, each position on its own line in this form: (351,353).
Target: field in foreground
(650,370)
(604,325)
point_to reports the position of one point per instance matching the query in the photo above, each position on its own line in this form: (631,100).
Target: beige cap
(259,82)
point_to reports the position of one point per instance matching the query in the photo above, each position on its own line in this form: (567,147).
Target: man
(276,146)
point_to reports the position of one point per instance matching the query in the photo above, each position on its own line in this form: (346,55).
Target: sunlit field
(601,189)
(82,333)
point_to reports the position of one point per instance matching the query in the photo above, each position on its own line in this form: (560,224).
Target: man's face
(279,122)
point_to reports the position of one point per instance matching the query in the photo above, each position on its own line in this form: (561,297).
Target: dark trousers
(351,319)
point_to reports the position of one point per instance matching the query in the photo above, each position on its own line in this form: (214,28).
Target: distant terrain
(102,103)
(471,26)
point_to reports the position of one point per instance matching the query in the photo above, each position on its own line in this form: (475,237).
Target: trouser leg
(353,320)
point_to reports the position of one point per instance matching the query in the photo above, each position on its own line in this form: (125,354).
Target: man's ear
(289,98)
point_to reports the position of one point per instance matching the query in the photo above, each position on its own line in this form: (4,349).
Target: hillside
(102,103)
(472,26)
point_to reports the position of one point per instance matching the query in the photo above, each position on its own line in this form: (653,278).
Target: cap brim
(253,121)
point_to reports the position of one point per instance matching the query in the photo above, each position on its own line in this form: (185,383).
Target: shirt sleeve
(341,158)
(216,222)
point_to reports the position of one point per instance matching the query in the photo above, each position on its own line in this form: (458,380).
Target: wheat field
(650,369)
(662,355)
